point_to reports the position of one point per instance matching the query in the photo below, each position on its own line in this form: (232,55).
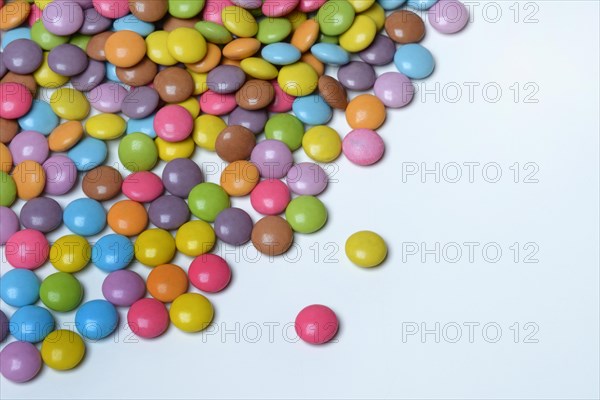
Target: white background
(558,296)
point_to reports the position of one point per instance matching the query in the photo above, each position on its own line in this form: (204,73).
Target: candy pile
(165,77)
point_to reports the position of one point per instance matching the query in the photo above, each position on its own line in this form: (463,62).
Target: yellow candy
(259,68)
(192,106)
(296,17)
(70,253)
(154,247)
(361,5)
(47,78)
(63,350)
(377,14)
(186,45)
(191,312)
(70,104)
(322,143)
(206,129)
(194,238)
(360,35)
(105,126)
(200,85)
(366,249)
(157,49)
(239,21)
(41,4)
(298,79)
(168,151)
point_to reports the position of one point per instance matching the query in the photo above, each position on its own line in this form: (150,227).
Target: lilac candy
(67,60)
(225,79)
(41,213)
(307,178)
(357,75)
(90,78)
(272,158)
(140,102)
(380,52)
(180,176)
(20,361)
(29,145)
(22,56)
(62,17)
(93,22)
(10,224)
(254,120)
(169,212)
(123,287)
(61,174)
(85,4)
(248,4)
(3,326)
(394,89)
(107,97)
(233,226)
(448,16)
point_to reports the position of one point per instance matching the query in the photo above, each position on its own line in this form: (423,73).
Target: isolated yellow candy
(191,312)
(62,350)
(366,249)
(105,126)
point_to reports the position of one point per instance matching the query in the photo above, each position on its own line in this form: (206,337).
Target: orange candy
(167,282)
(13,14)
(239,178)
(365,111)
(65,136)
(6,160)
(125,49)
(313,62)
(210,60)
(305,35)
(30,179)
(127,217)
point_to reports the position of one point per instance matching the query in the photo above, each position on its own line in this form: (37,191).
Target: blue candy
(421,4)
(111,72)
(112,252)
(131,23)
(280,53)
(88,153)
(312,110)
(96,319)
(19,287)
(85,217)
(14,34)
(40,118)
(143,125)
(390,4)
(330,53)
(31,324)
(414,61)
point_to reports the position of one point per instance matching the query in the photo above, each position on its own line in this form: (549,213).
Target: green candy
(286,128)
(185,8)
(335,17)
(329,39)
(207,200)
(306,214)
(138,152)
(80,41)
(273,30)
(61,292)
(214,33)
(8,189)
(45,39)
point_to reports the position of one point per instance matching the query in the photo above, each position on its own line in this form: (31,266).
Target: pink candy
(173,123)
(363,146)
(217,103)
(15,100)
(316,324)
(282,101)
(112,9)
(142,186)
(212,10)
(209,273)
(27,249)
(270,197)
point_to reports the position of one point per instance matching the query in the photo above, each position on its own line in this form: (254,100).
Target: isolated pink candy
(363,146)
(316,324)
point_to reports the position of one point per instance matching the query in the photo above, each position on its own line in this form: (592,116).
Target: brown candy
(333,92)
(174,84)
(140,74)
(235,143)
(255,94)
(404,27)
(272,235)
(95,47)
(149,10)
(8,129)
(173,23)
(26,80)
(102,183)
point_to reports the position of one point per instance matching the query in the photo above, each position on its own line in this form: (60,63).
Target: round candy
(273,158)
(298,79)
(366,249)
(272,235)
(206,129)
(394,89)
(404,27)
(282,103)
(123,288)
(174,84)
(254,120)
(107,97)
(70,253)
(206,200)
(173,123)
(217,103)
(330,53)
(20,361)
(235,143)
(365,111)
(42,213)
(105,126)
(3,326)
(380,52)
(239,178)
(322,143)
(10,224)
(96,319)
(414,61)
(67,60)
(19,287)
(142,186)
(167,282)
(90,78)
(27,249)
(363,146)
(180,176)
(191,312)
(148,318)
(102,183)
(168,212)
(156,48)
(255,94)
(70,104)
(15,101)
(29,145)
(40,118)
(88,153)
(140,74)
(335,17)
(138,152)
(140,102)
(47,78)
(209,273)
(286,128)
(270,197)
(29,178)
(194,238)
(85,217)
(360,34)
(225,79)
(31,324)
(112,252)
(22,56)
(316,324)
(127,217)
(61,291)
(447,16)
(93,22)
(357,75)
(307,179)
(312,110)
(125,48)
(306,214)
(280,53)
(63,350)
(239,21)
(154,247)
(62,18)
(61,174)
(233,226)
(9,189)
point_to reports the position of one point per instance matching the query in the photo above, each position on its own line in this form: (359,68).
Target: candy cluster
(165,77)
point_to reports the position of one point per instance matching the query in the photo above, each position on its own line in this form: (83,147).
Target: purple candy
(169,212)
(67,60)
(41,213)
(62,17)
(357,75)
(93,22)
(123,287)
(20,361)
(90,78)
(272,158)
(248,4)
(61,174)
(3,326)
(85,4)
(233,226)
(29,145)
(253,120)
(22,56)
(394,89)
(3,69)
(10,224)
(107,97)
(180,176)
(380,52)
(140,102)
(448,16)
(225,79)
(306,178)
